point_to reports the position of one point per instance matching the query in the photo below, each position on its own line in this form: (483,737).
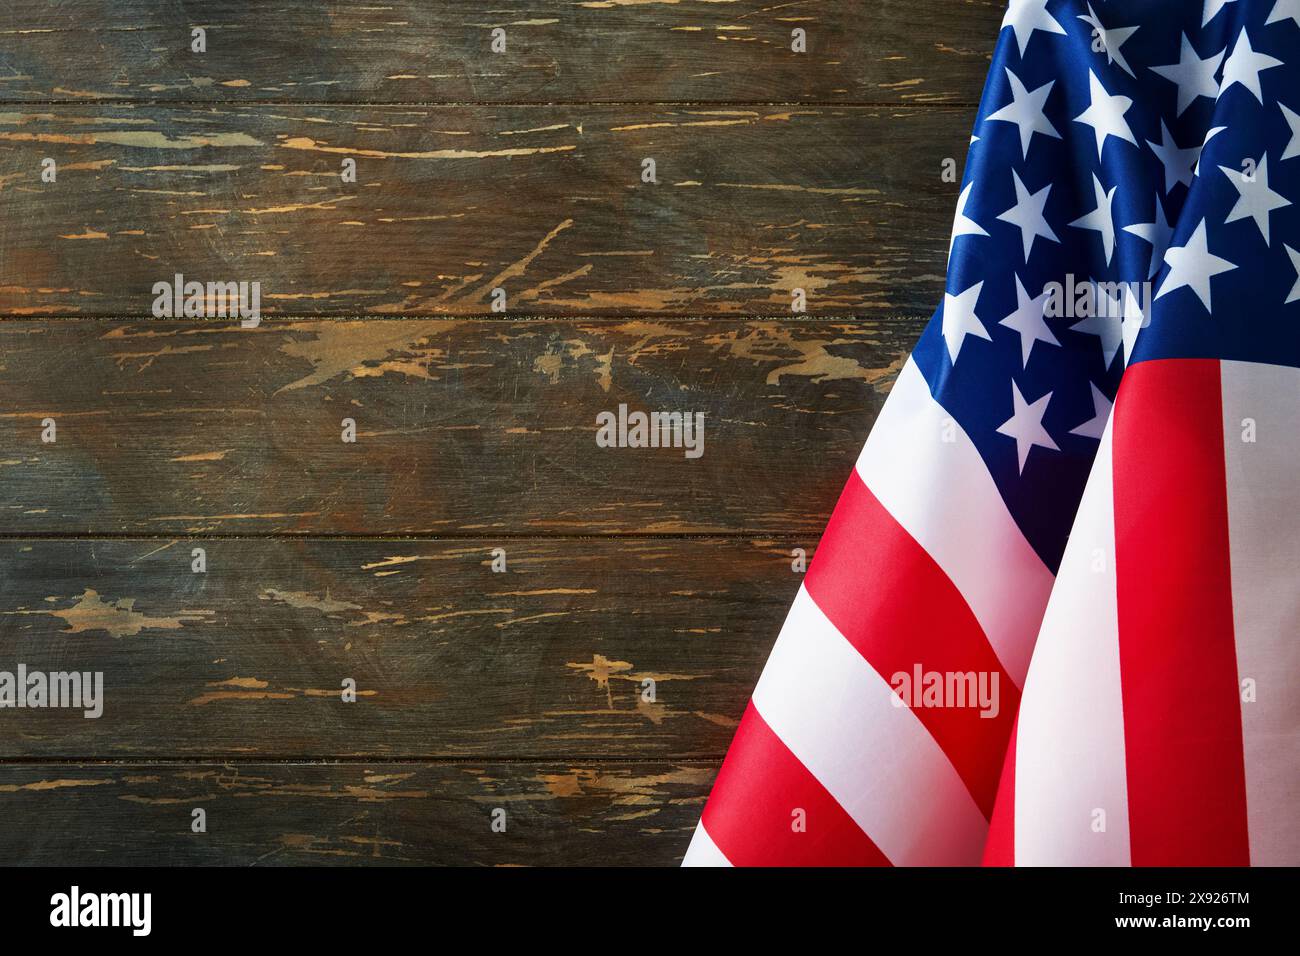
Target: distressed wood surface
(637,813)
(545,202)
(371,561)
(463,426)
(885,51)
(547,659)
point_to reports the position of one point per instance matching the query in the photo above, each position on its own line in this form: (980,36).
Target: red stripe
(889,598)
(1000,849)
(1178,665)
(750,815)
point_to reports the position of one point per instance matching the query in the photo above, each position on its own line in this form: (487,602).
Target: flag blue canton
(1117,144)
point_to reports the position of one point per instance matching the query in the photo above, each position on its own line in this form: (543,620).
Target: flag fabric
(1055,616)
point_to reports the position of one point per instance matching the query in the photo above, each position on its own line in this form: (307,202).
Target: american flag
(1082,494)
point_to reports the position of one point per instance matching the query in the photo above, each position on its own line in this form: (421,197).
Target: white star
(1292,120)
(1101,218)
(1284,10)
(1111,40)
(1158,233)
(960,320)
(1094,427)
(1026,111)
(963,225)
(1105,114)
(1106,319)
(1026,425)
(1194,76)
(1212,7)
(1026,16)
(1027,215)
(1244,66)
(1295,264)
(1256,200)
(1134,321)
(1212,132)
(1178,162)
(1193,266)
(1027,320)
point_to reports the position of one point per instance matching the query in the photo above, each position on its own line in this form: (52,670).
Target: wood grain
(449,658)
(557,813)
(463,427)
(371,561)
(885,51)
(544,202)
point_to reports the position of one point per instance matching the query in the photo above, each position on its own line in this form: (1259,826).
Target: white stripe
(929,475)
(1070,742)
(844,723)
(1264,544)
(703,851)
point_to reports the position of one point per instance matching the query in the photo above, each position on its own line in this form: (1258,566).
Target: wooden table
(371,561)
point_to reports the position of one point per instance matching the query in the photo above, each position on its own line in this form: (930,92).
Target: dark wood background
(371,561)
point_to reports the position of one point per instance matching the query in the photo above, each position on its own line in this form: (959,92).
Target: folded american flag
(1039,630)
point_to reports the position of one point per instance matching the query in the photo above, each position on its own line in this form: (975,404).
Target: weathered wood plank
(556,50)
(463,426)
(449,658)
(556,814)
(526,686)
(546,203)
